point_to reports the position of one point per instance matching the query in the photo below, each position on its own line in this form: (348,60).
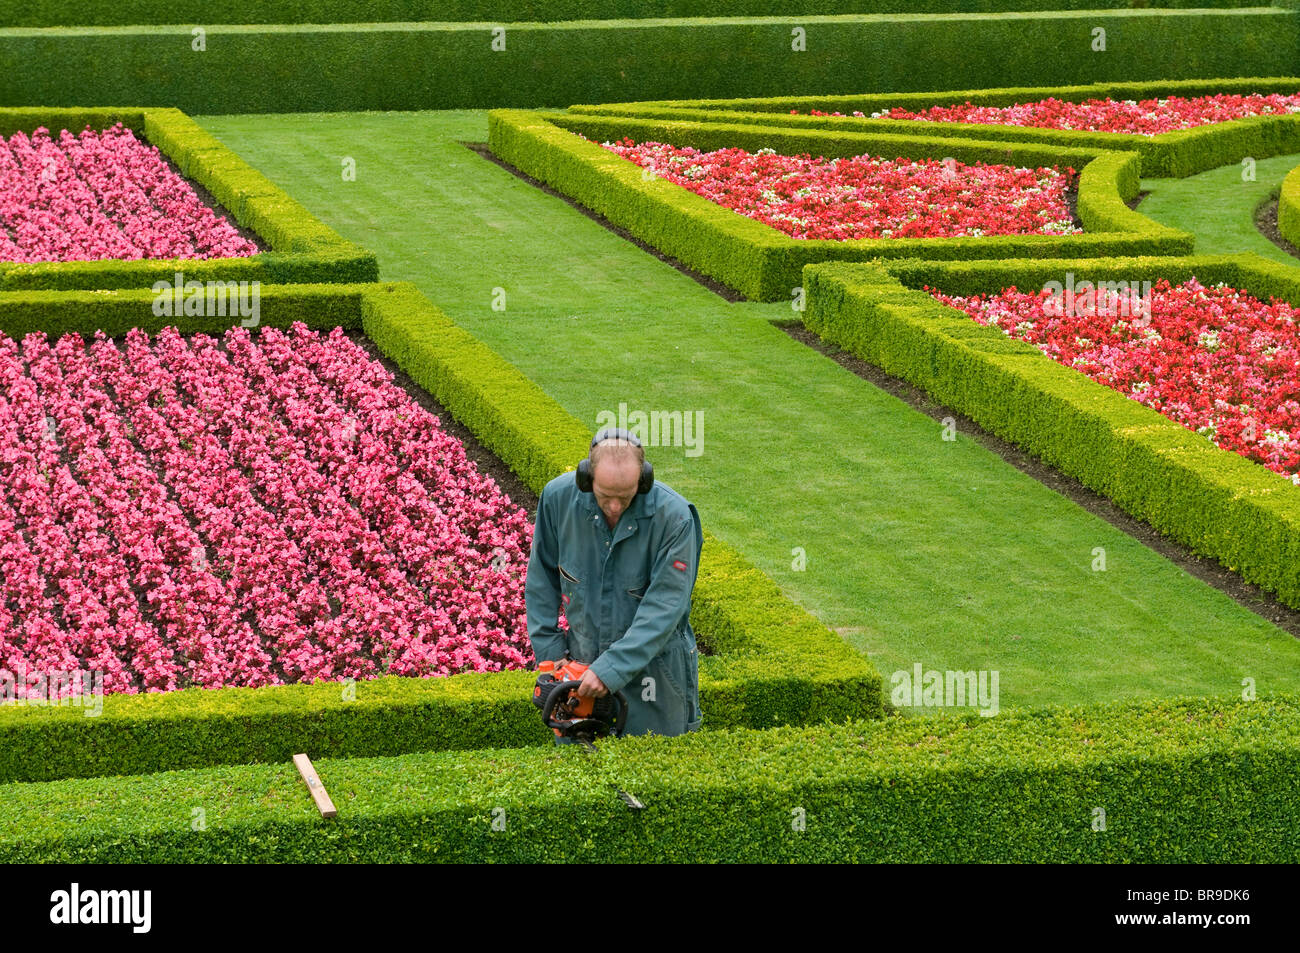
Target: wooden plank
(318,794)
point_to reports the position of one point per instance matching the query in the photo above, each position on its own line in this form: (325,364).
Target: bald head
(615,472)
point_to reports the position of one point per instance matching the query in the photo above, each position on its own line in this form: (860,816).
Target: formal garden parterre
(294,455)
(762,262)
(755,674)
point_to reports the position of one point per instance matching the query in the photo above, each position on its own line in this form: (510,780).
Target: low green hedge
(1288,207)
(1003,95)
(1178,781)
(116,311)
(1169,154)
(771,663)
(301,248)
(763,263)
(257,68)
(128,12)
(1216,502)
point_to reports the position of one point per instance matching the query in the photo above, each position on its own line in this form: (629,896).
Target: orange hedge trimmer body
(570,715)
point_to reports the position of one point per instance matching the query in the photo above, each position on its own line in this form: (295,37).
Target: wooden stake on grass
(308,772)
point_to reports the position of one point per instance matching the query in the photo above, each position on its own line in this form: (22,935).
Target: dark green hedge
(765,264)
(116,311)
(249,69)
(1288,207)
(301,247)
(771,663)
(1216,502)
(129,12)
(1178,781)
(1171,154)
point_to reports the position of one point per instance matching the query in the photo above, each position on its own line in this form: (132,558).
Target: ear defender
(584,475)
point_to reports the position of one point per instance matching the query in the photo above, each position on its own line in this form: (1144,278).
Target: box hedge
(1288,207)
(335,67)
(1215,502)
(1175,781)
(127,12)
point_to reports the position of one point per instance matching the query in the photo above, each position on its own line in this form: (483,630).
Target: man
(622,564)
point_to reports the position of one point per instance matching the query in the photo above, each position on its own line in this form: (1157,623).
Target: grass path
(1218,207)
(917,549)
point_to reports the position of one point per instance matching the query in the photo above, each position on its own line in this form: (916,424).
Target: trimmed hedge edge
(1181,780)
(1288,207)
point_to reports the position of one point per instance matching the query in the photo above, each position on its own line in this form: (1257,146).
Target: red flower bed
(243,512)
(1215,359)
(1146,118)
(867,197)
(102,195)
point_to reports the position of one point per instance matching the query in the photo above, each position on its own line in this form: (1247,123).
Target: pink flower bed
(102,195)
(1146,118)
(248,511)
(867,197)
(1215,359)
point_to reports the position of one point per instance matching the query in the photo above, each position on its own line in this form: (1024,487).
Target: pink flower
(277,511)
(102,195)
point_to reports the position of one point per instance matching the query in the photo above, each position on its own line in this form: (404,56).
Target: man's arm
(542,589)
(666,600)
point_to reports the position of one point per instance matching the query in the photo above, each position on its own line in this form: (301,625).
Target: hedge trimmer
(574,717)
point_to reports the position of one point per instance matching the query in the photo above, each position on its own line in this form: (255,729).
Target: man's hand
(591,685)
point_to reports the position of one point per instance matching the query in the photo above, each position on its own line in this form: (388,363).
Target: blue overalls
(626,594)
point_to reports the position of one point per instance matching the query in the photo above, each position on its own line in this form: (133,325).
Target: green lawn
(917,549)
(1218,207)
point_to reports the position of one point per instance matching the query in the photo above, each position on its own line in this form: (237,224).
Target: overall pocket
(678,667)
(581,645)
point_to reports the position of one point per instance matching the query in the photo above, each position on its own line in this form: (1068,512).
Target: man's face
(614,484)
